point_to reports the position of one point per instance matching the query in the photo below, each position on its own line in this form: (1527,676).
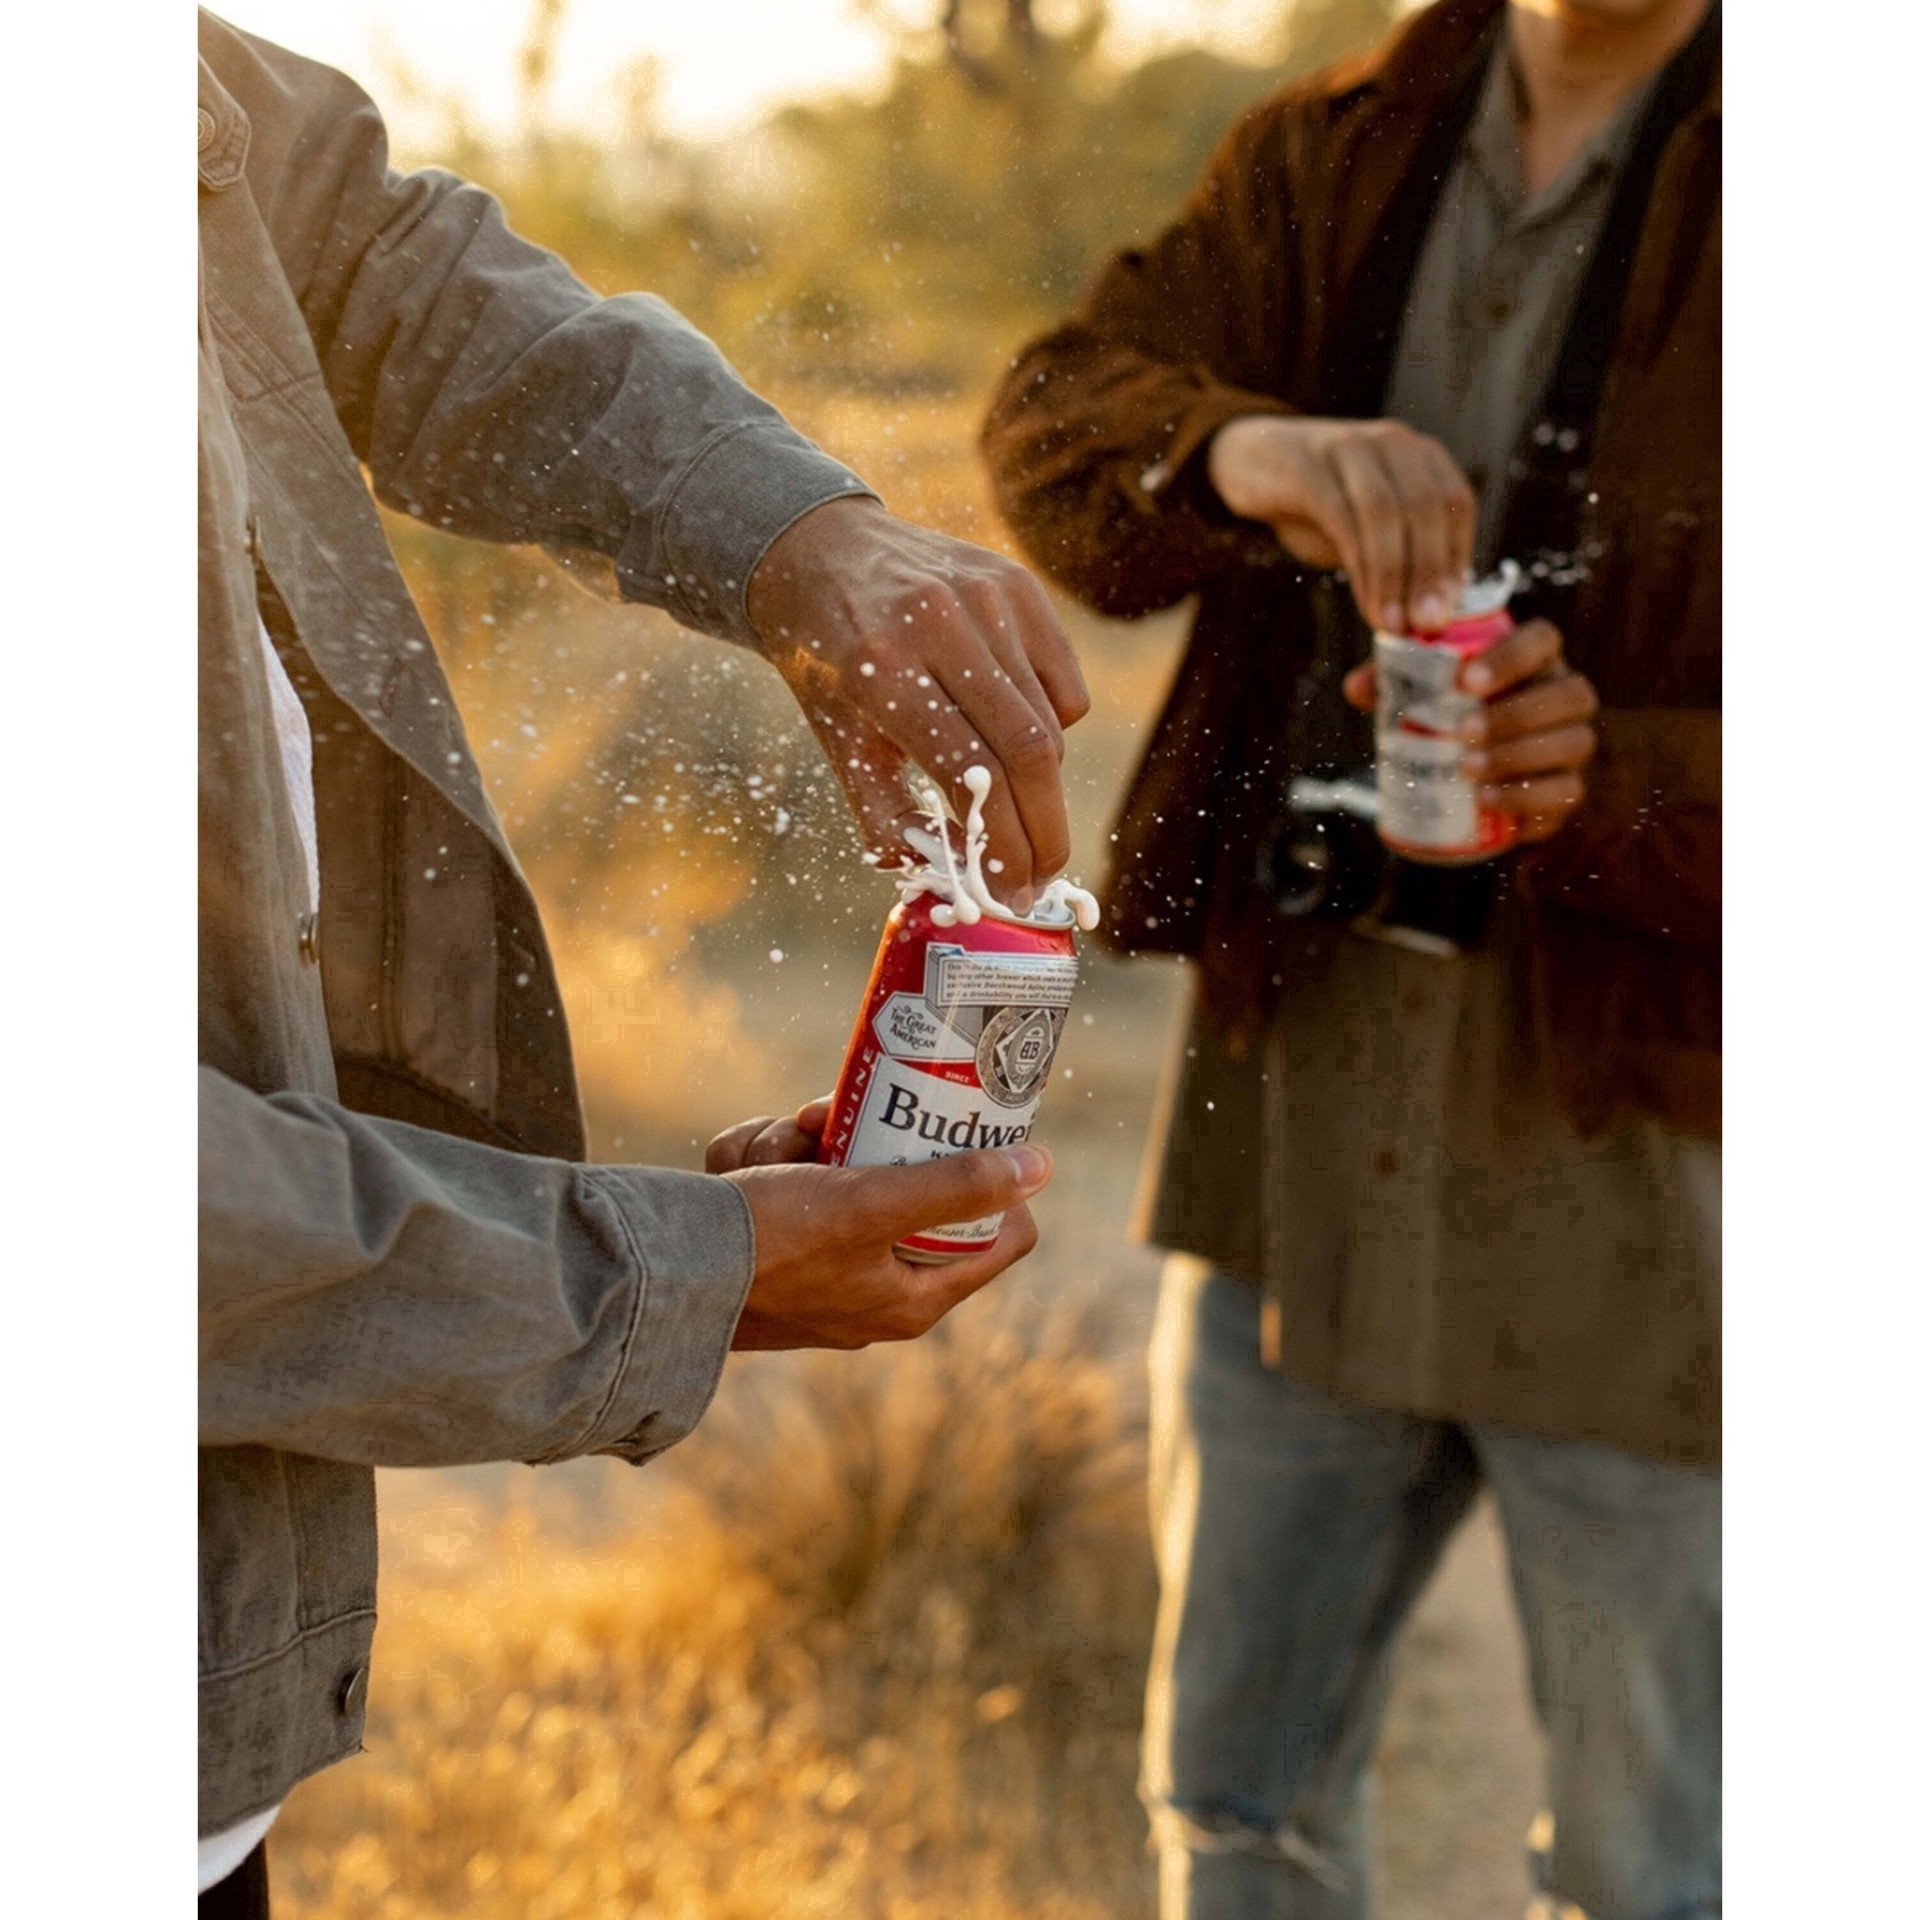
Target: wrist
(814,548)
(1235,449)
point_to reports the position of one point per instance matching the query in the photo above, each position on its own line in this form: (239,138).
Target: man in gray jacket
(403,1260)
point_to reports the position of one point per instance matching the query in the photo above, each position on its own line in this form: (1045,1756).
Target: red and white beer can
(1430,808)
(952,1050)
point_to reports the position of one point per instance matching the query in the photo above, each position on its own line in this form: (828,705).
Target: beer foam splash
(960,885)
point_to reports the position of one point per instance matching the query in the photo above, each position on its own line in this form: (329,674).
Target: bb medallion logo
(1015,1050)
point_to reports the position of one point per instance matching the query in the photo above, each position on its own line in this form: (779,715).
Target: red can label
(952,1051)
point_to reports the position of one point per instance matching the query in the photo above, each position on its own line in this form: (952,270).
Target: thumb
(1359,687)
(891,1202)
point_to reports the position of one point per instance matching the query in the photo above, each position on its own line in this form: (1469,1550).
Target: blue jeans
(1294,1532)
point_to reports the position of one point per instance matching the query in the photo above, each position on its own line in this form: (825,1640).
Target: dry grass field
(874,1652)
(872,1646)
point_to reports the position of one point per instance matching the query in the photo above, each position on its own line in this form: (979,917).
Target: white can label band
(911,1115)
(962,1064)
(1426,800)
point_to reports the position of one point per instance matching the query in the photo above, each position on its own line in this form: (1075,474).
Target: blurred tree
(899,244)
(1016,30)
(1309,34)
(536,61)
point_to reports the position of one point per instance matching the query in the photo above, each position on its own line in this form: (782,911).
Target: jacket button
(310,938)
(206,129)
(351,1694)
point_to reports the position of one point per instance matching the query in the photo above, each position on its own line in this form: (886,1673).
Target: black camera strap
(1547,515)
(1374,306)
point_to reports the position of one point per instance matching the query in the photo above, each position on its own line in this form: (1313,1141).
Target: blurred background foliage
(900,244)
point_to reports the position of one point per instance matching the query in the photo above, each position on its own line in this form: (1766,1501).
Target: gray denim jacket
(401,1261)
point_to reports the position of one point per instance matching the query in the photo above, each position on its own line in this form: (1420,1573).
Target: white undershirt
(296,759)
(221,1853)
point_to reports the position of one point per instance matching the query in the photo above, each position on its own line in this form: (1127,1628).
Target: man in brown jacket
(1441,1171)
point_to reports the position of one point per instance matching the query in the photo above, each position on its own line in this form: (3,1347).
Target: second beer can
(1430,808)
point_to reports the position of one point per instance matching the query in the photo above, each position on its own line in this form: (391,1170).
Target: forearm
(1097,437)
(1098,455)
(1644,848)
(375,1292)
(624,442)
(487,389)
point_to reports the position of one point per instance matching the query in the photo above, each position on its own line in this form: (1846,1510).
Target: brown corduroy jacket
(1247,304)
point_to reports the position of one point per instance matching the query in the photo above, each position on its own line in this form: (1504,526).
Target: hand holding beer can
(963,1013)
(1430,808)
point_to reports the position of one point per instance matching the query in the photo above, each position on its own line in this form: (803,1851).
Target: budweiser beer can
(952,1050)
(1430,809)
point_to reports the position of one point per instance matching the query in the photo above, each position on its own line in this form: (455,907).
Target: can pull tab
(1490,594)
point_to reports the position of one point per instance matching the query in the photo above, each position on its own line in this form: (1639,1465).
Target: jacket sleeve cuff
(1179,478)
(745,487)
(691,1237)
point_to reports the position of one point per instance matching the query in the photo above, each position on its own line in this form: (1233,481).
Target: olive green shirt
(1393,1161)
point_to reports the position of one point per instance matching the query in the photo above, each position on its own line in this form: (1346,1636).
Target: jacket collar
(1427,60)
(224,132)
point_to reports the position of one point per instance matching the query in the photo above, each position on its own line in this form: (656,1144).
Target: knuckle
(1019,1233)
(937,600)
(1370,493)
(911,1316)
(881,651)
(974,1186)
(1036,751)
